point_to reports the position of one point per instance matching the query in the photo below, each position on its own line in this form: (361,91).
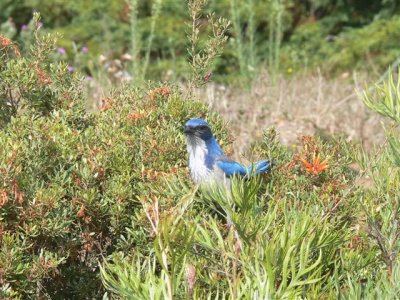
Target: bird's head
(198,129)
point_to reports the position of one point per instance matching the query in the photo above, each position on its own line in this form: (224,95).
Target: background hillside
(286,36)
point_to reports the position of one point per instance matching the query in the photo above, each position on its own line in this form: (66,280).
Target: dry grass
(304,105)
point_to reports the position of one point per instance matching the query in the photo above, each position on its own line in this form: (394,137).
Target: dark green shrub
(106,27)
(372,45)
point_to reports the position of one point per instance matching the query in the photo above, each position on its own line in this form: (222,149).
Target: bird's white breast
(197,161)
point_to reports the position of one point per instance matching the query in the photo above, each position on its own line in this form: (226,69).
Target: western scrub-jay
(208,162)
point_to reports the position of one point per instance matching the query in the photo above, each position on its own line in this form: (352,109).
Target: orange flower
(106,103)
(163,91)
(18,195)
(3,197)
(316,166)
(43,78)
(135,116)
(81,212)
(5,42)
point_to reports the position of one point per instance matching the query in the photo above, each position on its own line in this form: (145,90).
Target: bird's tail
(260,167)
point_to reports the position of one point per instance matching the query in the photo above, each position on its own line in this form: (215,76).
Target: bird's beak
(188,130)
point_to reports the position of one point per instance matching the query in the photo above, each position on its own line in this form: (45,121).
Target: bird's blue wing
(260,167)
(230,167)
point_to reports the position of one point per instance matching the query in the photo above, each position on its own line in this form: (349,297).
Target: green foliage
(287,236)
(373,43)
(278,242)
(244,41)
(201,59)
(137,281)
(380,204)
(96,202)
(385,98)
(72,182)
(32,84)
(379,287)
(313,44)
(277,34)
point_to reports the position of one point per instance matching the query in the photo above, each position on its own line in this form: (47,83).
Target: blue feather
(260,167)
(230,167)
(196,122)
(214,151)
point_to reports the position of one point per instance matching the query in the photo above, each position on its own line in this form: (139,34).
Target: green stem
(156,12)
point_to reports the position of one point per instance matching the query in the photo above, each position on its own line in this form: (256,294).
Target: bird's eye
(202,127)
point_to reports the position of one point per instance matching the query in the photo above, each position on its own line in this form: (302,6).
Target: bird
(207,161)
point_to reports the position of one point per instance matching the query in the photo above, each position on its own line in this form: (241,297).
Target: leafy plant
(383,223)
(202,59)
(72,182)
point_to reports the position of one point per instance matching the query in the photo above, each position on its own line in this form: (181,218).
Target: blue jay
(207,160)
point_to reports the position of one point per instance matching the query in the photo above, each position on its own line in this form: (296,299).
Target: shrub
(72,182)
